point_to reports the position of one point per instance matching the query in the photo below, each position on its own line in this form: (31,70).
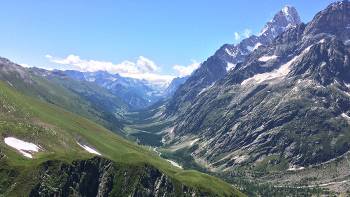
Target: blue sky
(154,35)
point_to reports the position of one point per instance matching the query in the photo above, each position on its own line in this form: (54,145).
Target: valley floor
(329,178)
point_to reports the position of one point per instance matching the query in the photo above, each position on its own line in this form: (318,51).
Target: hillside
(84,99)
(282,113)
(59,137)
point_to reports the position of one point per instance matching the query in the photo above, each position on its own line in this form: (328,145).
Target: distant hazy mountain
(90,102)
(134,92)
(227,57)
(174,85)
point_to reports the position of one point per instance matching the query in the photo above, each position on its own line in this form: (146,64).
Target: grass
(146,130)
(56,130)
(183,157)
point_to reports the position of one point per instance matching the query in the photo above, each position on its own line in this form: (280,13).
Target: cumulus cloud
(244,34)
(247,32)
(186,70)
(142,68)
(146,65)
(237,36)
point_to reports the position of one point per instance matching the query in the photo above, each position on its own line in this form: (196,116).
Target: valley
(271,117)
(57,133)
(266,116)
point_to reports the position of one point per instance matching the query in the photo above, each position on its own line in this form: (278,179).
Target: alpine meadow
(144,98)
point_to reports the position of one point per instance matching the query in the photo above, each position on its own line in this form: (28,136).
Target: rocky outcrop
(334,20)
(11,72)
(102,177)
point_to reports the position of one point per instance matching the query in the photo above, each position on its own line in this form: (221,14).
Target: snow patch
(193,141)
(240,158)
(230,66)
(277,73)
(25,148)
(267,58)
(295,168)
(347,85)
(230,52)
(258,78)
(346,117)
(89,149)
(256,46)
(170,161)
(347,42)
(10,83)
(263,30)
(174,163)
(252,48)
(285,10)
(205,89)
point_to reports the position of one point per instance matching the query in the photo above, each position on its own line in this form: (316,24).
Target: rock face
(335,20)
(174,85)
(227,58)
(284,19)
(286,103)
(10,72)
(102,177)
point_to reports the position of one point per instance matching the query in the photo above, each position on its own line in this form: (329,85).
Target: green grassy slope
(110,108)
(56,131)
(86,100)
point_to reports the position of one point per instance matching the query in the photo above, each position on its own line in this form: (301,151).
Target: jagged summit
(228,56)
(286,18)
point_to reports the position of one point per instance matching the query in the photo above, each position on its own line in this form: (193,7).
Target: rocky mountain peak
(286,18)
(229,56)
(334,20)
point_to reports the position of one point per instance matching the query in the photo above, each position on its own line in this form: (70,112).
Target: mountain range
(133,92)
(227,57)
(283,108)
(270,115)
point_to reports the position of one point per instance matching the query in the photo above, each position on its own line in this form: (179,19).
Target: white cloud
(142,68)
(186,70)
(244,34)
(237,36)
(153,77)
(247,32)
(146,64)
